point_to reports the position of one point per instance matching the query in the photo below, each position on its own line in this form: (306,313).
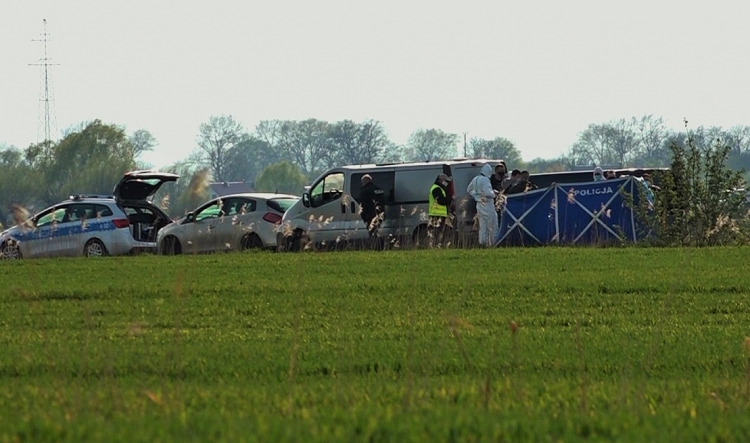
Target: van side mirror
(306,199)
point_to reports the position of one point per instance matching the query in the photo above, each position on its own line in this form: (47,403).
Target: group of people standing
(485,189)
(440,206)
(518,181)
(600,175)
(488,189)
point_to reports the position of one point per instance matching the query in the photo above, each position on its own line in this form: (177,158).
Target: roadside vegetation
(700,200)
(540,344)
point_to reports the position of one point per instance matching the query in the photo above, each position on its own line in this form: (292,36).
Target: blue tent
(580,213)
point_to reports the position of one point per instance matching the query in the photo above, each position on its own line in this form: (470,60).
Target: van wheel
(10,251)
(251,241)
(170,246)
(94,248)
(298,241)
(419,239)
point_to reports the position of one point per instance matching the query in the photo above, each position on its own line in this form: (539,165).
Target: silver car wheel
(251,241)
(170,246)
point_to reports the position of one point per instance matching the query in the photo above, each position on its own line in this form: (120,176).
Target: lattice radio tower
(47,119)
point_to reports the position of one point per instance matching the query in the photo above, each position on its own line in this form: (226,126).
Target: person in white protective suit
(481,190)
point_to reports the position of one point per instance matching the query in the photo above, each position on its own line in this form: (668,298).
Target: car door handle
(354,207)
(343,208)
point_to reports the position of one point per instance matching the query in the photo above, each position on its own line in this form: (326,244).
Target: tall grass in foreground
(445,345)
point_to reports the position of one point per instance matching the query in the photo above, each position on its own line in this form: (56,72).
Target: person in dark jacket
(498,177)
(439,210)
(372,201)
(523,184)
(508,184)
(530,186)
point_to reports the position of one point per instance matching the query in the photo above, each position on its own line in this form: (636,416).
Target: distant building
(225,188)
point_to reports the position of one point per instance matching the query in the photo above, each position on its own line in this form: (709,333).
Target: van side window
(413,186)
(330,188)
(383,180)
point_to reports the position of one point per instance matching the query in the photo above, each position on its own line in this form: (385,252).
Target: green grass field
(628,344)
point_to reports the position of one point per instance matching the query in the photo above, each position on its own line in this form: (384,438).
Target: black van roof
(545,179)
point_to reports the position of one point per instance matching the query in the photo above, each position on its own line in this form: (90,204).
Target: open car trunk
(132,194)
(145,221)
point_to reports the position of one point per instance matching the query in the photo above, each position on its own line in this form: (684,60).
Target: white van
(328,215)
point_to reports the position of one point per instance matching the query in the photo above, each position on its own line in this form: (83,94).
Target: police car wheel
(10,251)
(94,248)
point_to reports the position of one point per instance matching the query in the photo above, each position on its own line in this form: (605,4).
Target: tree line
(646,141)
(232,153)
(285,155)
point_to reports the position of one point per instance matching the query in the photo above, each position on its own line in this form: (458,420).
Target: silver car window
(211,211)
(244,205)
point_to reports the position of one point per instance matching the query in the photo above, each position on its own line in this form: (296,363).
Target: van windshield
(330,188)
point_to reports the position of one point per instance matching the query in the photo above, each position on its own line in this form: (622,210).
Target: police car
(92,225)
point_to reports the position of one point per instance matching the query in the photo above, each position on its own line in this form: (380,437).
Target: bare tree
(592,146)
(651,134)
(607,143)
(738,139)
(342,137)
(498,148)
(356,143)
(142,141)
(392,153)
(304,143)
(215,139)
(270,132)
(430,145)
(373,141)
(705,138)
(623,140)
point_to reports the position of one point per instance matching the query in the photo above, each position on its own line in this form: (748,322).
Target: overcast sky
(537,72)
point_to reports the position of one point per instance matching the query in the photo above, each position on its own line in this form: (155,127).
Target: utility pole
(46,116)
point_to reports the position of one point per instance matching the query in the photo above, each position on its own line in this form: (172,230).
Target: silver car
(229,223)
(93,226)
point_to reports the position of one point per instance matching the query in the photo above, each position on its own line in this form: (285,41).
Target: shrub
(699,200)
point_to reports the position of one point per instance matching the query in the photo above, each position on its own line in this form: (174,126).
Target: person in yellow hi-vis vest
(439,204)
